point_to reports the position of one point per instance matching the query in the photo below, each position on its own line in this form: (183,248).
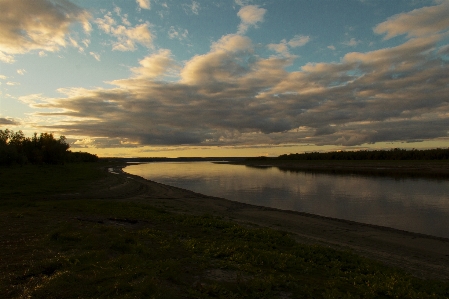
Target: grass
(93,248)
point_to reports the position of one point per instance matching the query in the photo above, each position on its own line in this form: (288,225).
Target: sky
(165,78)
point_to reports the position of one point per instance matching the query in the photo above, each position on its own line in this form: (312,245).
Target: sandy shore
(421,255)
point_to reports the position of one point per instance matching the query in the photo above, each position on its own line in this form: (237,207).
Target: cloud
(418,23)
(352,42)
(250,15)
(298,41)
(242,2)
(145,4)
(6,58)
(21,72)
(38,25)
(95,55)
(127,36)
(178,33)
(192,8)
(8,122)
(225,61)
(156,65)
(10,83)
(231,96)
(284,46)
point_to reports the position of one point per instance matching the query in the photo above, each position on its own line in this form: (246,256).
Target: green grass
(117,249)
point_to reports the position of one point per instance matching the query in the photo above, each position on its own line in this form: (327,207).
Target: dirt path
(421,255)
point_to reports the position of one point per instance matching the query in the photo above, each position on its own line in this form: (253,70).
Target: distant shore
(397,168)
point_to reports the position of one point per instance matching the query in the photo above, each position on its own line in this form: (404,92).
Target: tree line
(38,149)
(393,154)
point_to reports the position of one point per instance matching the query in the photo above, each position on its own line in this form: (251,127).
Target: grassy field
(54,247)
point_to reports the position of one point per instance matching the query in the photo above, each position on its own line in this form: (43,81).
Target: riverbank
(421,255)
(118,235)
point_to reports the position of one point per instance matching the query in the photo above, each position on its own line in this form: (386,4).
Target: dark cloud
(8,121)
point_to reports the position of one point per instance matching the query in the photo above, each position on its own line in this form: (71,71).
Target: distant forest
(15,148)
(393,154)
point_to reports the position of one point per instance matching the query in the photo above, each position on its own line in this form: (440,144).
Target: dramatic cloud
(233,96)
(250,16)
(145,4)
(127,36)
(39,24)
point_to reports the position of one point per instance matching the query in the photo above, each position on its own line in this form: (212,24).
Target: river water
(416,205)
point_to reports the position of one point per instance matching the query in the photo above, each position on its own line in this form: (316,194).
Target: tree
(16,148)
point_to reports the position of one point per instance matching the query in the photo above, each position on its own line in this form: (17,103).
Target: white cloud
(284,46)
(352,42)
(127,36)
(38,25)
(21,72)
(145,4)
(178,33)
(331,47)
(10,83)
(243,2)
(192,8)
(417,23)
(106,23)
(42,54)
(250,15)
(95,55)
(298,41)
(156,65)
(6,58)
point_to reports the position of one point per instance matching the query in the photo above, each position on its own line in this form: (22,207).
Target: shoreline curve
(421,255)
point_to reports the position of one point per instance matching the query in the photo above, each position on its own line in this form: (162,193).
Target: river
(416,205)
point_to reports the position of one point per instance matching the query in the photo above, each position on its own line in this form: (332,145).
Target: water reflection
(417,205)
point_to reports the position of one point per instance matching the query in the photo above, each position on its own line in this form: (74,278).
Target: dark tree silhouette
(39,149)
(393,154)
